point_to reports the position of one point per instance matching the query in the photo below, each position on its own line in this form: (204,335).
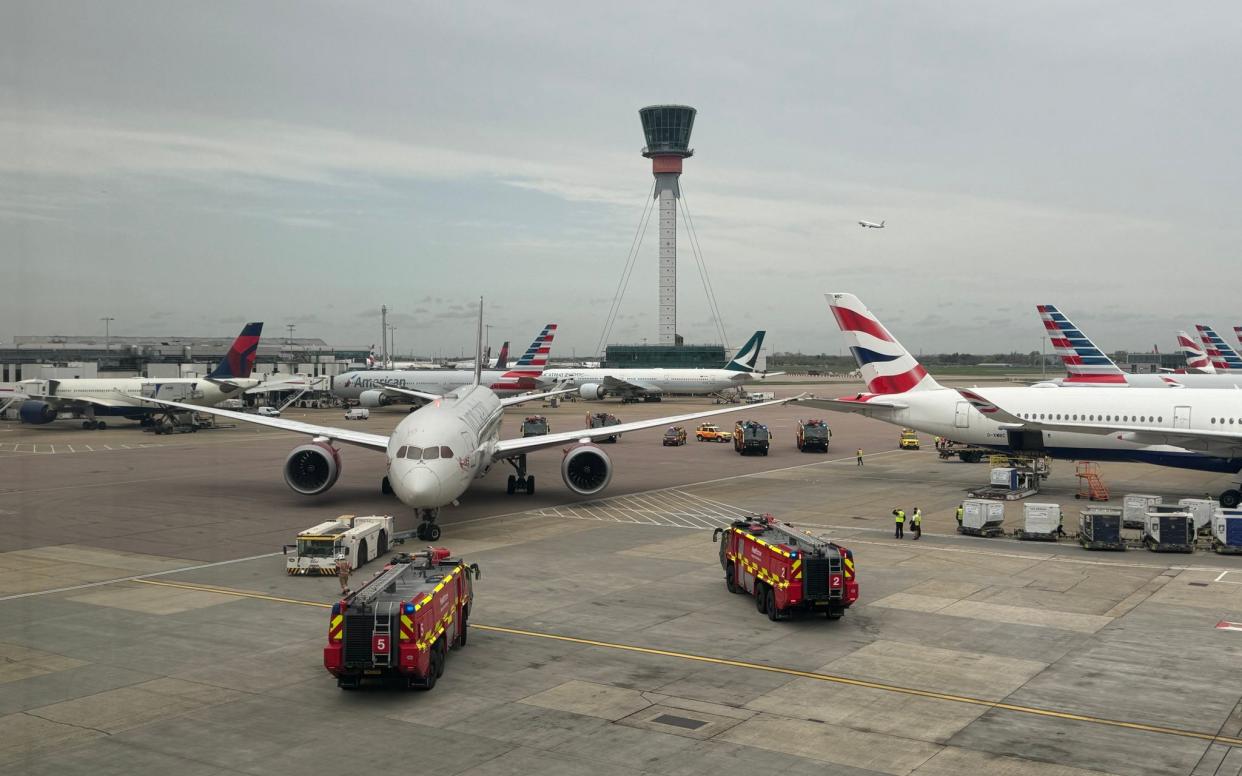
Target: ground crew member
(859,456)
(916,521)
(899,518)
(343,569)
(959,515)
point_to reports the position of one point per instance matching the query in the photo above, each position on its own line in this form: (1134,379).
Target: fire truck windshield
(315,548)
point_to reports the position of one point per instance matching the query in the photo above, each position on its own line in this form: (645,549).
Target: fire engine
(786,569)
(400,624)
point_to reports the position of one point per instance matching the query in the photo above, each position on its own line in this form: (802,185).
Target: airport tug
(400,625)
(786,569)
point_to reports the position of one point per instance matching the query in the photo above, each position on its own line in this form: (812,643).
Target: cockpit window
(401,452)
(431,453)
(446,451)
(414,453)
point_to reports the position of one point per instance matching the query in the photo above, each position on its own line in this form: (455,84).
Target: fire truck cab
(400,624)
(786,570)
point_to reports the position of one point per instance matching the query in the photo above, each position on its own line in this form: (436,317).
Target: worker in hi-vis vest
(916,522)
(899,518)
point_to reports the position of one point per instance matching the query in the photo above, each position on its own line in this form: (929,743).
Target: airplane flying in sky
(1223,357)
(871,225)
(382,387)
(126,397)
(651,384)
(436,451)
(1089,367)
(1188,428)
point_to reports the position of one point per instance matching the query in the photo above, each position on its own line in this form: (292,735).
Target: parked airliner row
(1189,428)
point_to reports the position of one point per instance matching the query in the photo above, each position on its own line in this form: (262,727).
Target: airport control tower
(667,131)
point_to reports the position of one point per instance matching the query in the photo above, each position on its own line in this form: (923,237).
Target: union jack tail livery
(885,365)
(239,361)
(1196,359)
(535,359)
(1223,357)
(1085,363)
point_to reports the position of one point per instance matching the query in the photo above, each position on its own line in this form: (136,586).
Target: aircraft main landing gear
(1230,499)
(427,530)
(386,487)
(520,482)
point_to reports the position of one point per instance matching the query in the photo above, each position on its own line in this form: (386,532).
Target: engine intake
(373,399)
(312,468)
(586,470)
(591,391)
(36,412)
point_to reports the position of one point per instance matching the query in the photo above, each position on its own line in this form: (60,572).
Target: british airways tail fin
(748,355)
(1085,363)
(1196,358)
(886,366)
(239,361)
(502,359)
(1223,357)
(535,359)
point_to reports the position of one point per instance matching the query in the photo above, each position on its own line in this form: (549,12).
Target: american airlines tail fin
(502,359)
(535,359)
(1085,363)
(748,356)
(886,366)
(1237,334)
(239,361)
(1223,357)
(1196,358)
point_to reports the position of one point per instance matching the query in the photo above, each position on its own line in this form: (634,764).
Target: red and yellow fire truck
(400,624)
(786,569)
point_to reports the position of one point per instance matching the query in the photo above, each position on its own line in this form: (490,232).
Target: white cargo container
(1227,531)
(982,517)
(1168,531)
(1134,508)
(1040,521)
(1005,477)
(1201,510)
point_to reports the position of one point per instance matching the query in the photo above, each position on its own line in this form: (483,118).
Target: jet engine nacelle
(36,412)
(373,399)
(312,468)
(591,391)
(586,469)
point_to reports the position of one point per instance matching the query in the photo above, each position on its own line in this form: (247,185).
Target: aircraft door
(961,417)
(1181,417)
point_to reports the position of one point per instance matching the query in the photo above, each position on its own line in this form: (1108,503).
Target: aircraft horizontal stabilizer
(862,404)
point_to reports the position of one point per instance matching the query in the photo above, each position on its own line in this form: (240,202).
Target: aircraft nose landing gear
(520,482)
(427,530)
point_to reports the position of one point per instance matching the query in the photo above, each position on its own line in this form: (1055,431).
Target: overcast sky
(185,167)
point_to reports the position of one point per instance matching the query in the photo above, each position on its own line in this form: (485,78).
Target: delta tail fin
(238,362)
(1196,358)
(748,356)
(1223,357)
(502,359)
(886,366)
(1085,363)
(535,359)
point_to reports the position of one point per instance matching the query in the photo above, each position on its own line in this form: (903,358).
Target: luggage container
(1227,531)
(1005,478)
(1201,510)
(1040,522)
(1134,508)
(982,517)
(1165,531)
(1099,528)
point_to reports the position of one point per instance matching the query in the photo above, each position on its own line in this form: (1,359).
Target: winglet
(478,348)
(238,362)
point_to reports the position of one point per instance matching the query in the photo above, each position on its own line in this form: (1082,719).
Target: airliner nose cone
(422,488)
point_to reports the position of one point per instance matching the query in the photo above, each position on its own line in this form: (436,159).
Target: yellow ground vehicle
(710,432)
(909,440)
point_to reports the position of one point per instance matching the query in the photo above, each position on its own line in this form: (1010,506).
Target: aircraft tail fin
(881,224)
(886,366)
(1196,358)
(748,356)
(478,348)
(1085,363)
(238,362)
(502,358)
(1223,357)
(535,359)
(1237,334)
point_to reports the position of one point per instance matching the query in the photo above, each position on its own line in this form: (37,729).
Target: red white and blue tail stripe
(1196,358)
(535,359)
(885,365)
(1085,363)
(1223,357)
(1237,334)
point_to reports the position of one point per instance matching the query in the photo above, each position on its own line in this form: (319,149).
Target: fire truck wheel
(530,485)
(437,664)
(465,630)
(511,485)
(730,585)
(429,681)
(774,614)
(834,614)
(761,597)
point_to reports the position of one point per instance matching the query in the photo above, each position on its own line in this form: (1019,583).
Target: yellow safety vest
(918,517)
(901,516)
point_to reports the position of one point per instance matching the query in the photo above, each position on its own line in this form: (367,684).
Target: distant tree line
(835,363)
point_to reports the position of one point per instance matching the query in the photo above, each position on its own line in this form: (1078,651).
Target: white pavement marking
(669,508)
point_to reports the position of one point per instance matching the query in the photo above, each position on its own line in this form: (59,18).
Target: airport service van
(357,413)
(356,539)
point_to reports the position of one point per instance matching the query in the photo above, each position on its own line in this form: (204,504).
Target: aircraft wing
(98,401)
(1216,442)
(863,404)
(628,386)
(507,448)
(512,400)
(348,436)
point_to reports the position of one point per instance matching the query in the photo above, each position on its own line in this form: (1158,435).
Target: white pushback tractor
(356,539)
